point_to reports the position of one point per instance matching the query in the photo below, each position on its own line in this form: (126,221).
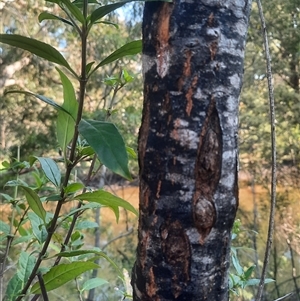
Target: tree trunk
(193,53)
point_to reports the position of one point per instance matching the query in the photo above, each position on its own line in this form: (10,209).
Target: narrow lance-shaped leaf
(107,199)
(40,97)
(74,10)
(36,47)
(104,10)
(108,144)
(47,16)
(130,48)
(63,273)
(97,253)
(66,123)
(34,202)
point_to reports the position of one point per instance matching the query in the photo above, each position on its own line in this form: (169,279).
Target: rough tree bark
(193,53)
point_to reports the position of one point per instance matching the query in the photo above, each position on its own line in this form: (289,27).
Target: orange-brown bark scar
(189,96)
(158,189)
(213,47)
(163,34)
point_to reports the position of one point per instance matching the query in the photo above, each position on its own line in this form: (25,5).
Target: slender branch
(274,167)
(43,288)
(70,166)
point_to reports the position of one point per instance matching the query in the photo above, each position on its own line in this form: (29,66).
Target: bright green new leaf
(36,47)
(107,199)
(108,144)
(130,48)
(92,283)
(34,202)
(50,170)
(63,273)
(47,16)
(13,288)
(74,10)
(40,97)
(26,263)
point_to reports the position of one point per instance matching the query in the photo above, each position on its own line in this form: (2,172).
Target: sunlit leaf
(36,47)
(108,144)
(47,16)
(130,48)
(63,273)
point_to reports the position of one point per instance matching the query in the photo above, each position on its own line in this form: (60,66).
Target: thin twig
(285,296)
(43,288)
(273,143)
(130,231)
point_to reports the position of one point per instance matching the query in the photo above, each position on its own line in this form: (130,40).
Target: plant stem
(70,166)
(273,151)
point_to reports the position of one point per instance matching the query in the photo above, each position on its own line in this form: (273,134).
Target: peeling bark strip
(193,54)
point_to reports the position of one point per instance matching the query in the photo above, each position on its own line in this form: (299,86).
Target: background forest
(27,127)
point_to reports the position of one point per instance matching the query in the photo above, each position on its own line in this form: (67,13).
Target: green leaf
(131,152)
(47,16)
(63,273)
(249,271)
(98,253)
(74,10)
(79,3)
(107,199)
(130,48)
(104,10)
(65,122)
(36,47)
(88,67)
(108,144)
(41,97)
(86,225)
(34,202)
(50,170)
(71,188)
(26,263)
(38,227)
(108,23)
(13,289)
(92,283)
(237,265)
(4,228)
(65,128)
(70,103)
(14,183)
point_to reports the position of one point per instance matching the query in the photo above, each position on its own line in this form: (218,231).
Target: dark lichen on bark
(193,65)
